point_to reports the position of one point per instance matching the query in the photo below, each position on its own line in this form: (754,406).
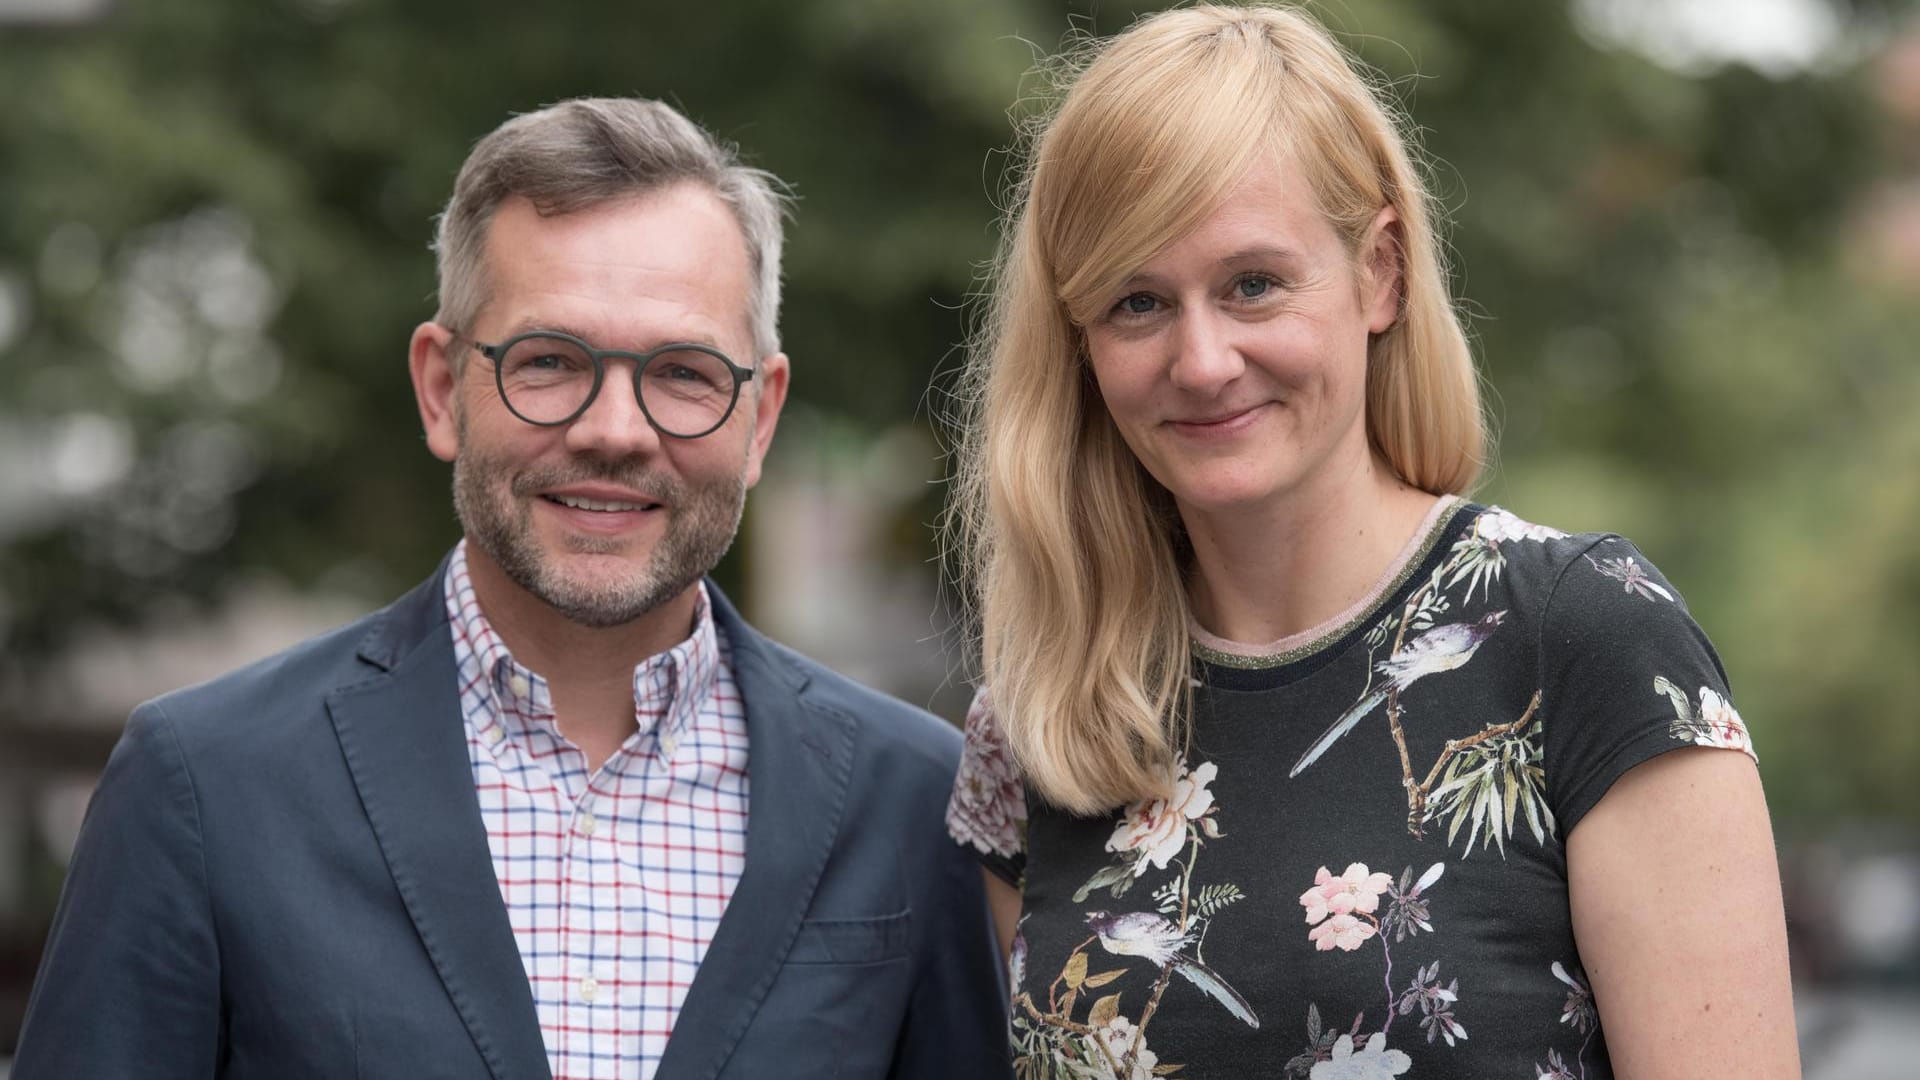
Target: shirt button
(520,686)
(587,824)
(494,735)
(668,745)
(589,989)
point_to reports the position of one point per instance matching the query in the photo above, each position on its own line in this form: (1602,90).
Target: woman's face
(1234,361)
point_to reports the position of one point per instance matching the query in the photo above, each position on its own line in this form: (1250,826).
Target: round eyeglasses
(549,378)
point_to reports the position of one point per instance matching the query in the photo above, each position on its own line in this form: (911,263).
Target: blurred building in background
(1688,230)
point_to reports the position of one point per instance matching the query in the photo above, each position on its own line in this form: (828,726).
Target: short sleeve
(988,809)
(1626,675)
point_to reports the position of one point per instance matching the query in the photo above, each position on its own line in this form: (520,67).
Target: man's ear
(771,395)
(435,387)
(1385,284)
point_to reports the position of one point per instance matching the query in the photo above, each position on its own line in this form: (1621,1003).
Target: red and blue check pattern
(614,880)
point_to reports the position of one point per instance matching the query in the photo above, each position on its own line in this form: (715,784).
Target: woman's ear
(1384,293)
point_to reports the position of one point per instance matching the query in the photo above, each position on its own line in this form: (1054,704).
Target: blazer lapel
(799,764)
(403,737)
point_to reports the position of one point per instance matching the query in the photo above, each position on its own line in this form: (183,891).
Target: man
(558,810)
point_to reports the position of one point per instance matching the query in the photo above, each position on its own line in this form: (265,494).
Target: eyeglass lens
(685,391)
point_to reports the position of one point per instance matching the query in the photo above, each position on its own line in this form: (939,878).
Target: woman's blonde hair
(1072,553)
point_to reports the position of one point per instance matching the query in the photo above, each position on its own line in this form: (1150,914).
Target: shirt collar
(669,688)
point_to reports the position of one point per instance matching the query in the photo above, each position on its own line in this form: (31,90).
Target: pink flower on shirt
(988,808)
(1343,932)
(1340,894)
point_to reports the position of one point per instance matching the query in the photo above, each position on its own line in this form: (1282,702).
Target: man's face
(605,519)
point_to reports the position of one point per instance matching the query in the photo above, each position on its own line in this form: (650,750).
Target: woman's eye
(1252,287)
(1138,304)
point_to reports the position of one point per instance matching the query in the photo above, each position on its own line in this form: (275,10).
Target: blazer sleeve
(129,985)
(956,1022)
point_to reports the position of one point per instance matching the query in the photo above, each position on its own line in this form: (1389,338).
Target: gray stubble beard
(704,521)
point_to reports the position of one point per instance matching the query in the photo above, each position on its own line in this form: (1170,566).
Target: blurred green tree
(218,212)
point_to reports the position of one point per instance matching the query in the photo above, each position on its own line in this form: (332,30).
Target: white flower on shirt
(1714,722)
(1116,1035)
(1157,828)
(1498,526)
(1720,723)
(1370,1062)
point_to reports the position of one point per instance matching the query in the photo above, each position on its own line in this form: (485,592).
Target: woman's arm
(1677,913)
(1004,899)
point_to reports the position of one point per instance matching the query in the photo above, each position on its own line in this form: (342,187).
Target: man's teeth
(597,504)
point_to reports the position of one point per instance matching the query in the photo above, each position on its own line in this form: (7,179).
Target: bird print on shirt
(1443,648)
(1159,941)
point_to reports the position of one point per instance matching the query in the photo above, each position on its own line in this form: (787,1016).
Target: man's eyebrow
(532,325)
(528,326)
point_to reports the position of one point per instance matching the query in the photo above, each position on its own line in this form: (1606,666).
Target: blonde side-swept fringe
(1070,551)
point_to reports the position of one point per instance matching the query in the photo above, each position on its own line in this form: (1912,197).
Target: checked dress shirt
(614,880)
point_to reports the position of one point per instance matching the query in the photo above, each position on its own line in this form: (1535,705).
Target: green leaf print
(1118,877)
(1214,897)
(1475,561)
(1488,785)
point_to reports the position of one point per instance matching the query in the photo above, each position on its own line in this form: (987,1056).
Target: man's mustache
(656,485)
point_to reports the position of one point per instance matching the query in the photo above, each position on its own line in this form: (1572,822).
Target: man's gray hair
(583,153)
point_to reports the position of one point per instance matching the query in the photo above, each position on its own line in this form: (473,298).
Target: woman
(1288,761)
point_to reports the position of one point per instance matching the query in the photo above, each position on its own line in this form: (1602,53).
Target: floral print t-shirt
(1361,871)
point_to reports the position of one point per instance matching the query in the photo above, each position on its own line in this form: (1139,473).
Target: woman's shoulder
(988,808)
(1529,544)
(1580,595)
(1533,564)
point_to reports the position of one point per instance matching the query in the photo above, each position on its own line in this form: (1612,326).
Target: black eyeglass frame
(497,353)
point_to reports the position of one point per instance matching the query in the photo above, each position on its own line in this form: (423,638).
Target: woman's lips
(1222,425)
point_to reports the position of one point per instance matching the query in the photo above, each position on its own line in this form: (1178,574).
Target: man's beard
(496,508)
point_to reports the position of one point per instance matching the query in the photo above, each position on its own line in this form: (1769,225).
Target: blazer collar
(404,741)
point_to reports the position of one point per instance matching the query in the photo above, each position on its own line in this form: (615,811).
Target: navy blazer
(283,874)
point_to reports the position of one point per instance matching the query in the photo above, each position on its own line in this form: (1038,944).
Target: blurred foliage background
(1688,233)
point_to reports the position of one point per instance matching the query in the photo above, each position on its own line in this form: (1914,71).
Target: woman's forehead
(1270,216)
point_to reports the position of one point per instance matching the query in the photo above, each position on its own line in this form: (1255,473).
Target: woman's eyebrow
(1257,255)
(1260,254)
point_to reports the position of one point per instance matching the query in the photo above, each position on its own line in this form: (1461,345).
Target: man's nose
(614,424)
(1205,357)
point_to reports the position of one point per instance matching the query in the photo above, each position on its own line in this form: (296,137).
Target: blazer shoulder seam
(165,726)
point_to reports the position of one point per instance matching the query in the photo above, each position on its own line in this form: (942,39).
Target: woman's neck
(1265,573)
